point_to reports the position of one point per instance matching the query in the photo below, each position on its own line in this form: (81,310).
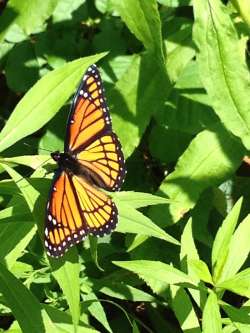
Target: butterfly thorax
(69,163)
(66,161)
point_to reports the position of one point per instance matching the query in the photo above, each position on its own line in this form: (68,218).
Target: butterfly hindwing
(98,210)
(105,159)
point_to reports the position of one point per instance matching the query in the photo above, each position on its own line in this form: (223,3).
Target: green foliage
(177,81)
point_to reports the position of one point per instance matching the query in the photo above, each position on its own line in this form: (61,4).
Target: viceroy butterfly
(92,160)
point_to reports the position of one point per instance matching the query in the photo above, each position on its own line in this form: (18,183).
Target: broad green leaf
(184,310)
(180,50)
(218,57)
(22,68)
(66,271)
(211,320)
(222,240)
(238,284)
(25,307)
(156,270)
(29,15)
(65,9)
(96,310)
(197,169)
(131,220)
(138,199)
(239,248)
(143,19)
(43,100)
(175,142)
(137,95)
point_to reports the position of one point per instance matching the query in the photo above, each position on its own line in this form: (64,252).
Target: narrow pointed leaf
(211,320)
(222,240)
(44,100)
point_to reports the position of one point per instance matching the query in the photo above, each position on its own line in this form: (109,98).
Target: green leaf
(139,199)
(65,9)
(135,328)
(22,69)
(175,142)
(130,220)
(30,193)
(156,270)
(174,3)
(198,169)
(239,317)
(238,284)
(63,321)
(201,270)
(43,100)
(218,43)
(184,310)
(33,161)
(180,50)
(188,248)
(143,20)
(66,271)
(29,15)
(187,255)
(23,304)
(125,292)
(243,7)
(239,248)
(137,95)
(211,320)
(222,240)
(96,310)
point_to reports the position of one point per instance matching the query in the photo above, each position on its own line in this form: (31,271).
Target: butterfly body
(92,160)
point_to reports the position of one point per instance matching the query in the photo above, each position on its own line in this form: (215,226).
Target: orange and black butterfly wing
(90,137)
(89,116)
(75,209)
(64,225)
(104,160)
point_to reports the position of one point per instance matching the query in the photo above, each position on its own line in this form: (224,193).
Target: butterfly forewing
(65,225)
(76,209)
(89,117)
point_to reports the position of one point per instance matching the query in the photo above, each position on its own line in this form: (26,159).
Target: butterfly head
(56,156)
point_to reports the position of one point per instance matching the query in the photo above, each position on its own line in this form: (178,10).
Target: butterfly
(92,160)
